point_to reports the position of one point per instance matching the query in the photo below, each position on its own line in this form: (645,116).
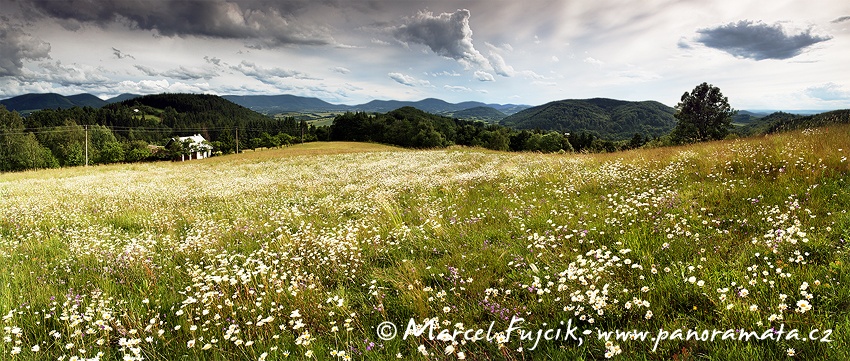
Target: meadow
(311,251)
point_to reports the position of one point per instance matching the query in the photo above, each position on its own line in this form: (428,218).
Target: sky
(775,54)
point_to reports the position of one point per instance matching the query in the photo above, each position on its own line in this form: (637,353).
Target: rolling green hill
(761,125)
(785,124)
(782,122)
(86,100)
(212,116)
(606,118)
(744,117)
(191,103)
(30,102)
(157,118)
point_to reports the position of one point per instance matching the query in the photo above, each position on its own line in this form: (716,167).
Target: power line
(147,129)
(64,129)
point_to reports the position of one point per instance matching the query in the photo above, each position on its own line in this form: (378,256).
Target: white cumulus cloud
(408,80)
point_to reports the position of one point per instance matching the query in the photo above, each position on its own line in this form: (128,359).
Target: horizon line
(752,110)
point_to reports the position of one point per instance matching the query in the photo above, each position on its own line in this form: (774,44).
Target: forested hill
(215,108)
(784,124)
(184,114)
(763,124)
(155,118)
(136,129)
(414,128)
(606,118)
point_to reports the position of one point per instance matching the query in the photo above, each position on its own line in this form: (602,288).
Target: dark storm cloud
(182,73)
(448,35)
(272,23)
(17,46)
(757,40)
(147,71)
(213,60)
(841,19)
(121,55)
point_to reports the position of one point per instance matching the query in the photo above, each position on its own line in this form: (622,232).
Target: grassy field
(318,119)
(335,251)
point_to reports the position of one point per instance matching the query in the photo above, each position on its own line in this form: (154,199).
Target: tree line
(703,114)
(412,128)
(138,130)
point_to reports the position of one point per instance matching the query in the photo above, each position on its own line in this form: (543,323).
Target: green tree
(136,151)
(286,139)
(495,140)
(67,143)
(703,114)
(637,141)
(75,154)
(176,149)
(428,138)
(112,152)
(268,141)
(553,141)
(20,150)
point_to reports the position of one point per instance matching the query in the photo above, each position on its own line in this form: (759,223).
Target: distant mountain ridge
(485,114)
(31,102)
(271,104)
(122,97)
(268,104)
(435,106)
(283,103)
(86,100)
(36,101)
(606,118)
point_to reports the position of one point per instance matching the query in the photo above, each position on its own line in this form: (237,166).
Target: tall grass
(304,252)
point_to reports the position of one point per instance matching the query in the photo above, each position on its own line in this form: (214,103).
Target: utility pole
(87,145)
(237,140)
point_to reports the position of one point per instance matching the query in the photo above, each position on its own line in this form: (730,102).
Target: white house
(199,148)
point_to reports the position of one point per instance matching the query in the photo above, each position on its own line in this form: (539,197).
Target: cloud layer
(757,40)
(828,92)
(17,46)
(181,72)
(355,51)
(266,75)
(408,80)
(272,23)
(447,34)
